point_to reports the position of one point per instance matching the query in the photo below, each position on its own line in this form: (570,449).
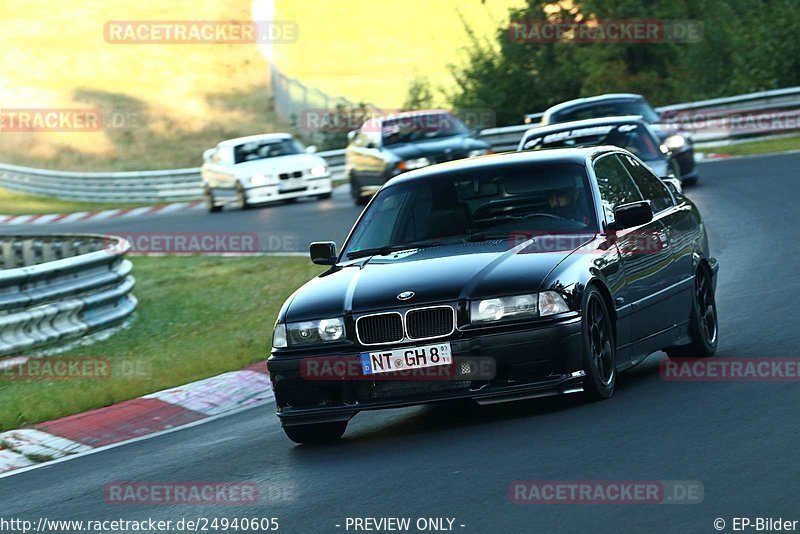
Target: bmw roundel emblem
(405,295)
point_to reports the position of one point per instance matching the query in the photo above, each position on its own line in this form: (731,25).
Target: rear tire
(703,320)
(316,433)
(599,348)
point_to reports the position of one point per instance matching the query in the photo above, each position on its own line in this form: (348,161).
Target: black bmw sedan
(616,104)
(494,279)
(632,133)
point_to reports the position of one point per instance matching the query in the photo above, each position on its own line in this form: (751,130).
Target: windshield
(634,137)
(418,127)
(494,203)
(610,109)
(266,149)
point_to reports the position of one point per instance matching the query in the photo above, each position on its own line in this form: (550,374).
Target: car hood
(438,274)
(290,163)
(458,145)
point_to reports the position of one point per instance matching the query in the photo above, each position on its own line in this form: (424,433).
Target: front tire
(324,196)
(599,348)
(675,169)
(316,433)
(703,323)
(241,198)
(211,203)
(357,192)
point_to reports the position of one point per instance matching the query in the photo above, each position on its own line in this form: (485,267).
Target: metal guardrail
(59,287)
(130,187)
(184,184)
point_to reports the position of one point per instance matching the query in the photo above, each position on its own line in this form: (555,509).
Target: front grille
(381,328)
(429,322)
(416,324)
(287,175)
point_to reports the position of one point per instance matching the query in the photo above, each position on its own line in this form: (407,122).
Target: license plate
(292,184)
(387,361)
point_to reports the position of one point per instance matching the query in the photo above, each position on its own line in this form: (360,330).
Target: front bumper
(269,193)
(532,362)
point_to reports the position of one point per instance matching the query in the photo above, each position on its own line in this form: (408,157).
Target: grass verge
(757,147)
(12,203)
(197,317)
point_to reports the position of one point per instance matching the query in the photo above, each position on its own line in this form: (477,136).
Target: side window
(651,187)
(616,186)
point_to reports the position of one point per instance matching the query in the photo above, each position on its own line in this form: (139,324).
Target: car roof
(557,155)
(579,102)
(410,113)
(255,138)
(587,123)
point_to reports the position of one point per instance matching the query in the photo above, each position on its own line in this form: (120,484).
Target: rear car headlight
(551,303)
(308,332)
(411,164)
(479,152)
(497,309)
(319,170)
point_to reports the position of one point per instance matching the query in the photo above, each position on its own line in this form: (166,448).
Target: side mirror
(323,252)
(208,153)
(351,135)
(311,149)
(633,214)
(673,183)
(371,145)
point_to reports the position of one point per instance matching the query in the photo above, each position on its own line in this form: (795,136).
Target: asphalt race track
(280,227)
(739,439)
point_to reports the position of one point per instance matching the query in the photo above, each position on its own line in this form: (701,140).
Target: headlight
(674,142)
(319,170)
(490,310)
(411,164)
(259,179)
(308,332)
(479,152)
(551,303)
(517,307)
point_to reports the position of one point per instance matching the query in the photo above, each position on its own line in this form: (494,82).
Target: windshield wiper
(388,249)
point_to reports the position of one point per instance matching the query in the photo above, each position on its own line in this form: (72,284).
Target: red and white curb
(81,216)
(705,156)
(136,418)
